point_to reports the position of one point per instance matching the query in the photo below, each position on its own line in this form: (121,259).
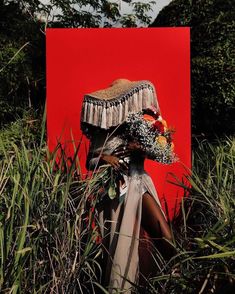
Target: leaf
(101,287)
(22,251)
(112,192)
(217,255)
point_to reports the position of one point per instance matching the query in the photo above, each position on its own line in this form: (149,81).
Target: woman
(123,219)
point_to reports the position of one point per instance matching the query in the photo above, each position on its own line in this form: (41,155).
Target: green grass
(204,230)
(47,247)
(44,245)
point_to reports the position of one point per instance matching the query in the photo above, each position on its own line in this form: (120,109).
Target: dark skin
(153,219)
(119,153)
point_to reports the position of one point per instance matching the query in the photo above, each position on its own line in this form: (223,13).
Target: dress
(120,222)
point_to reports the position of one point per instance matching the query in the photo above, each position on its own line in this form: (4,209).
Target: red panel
(83,60)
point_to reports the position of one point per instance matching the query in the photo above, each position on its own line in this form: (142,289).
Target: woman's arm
(101,152)
(95,160)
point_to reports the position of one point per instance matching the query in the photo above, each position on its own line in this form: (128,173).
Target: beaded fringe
(110,113)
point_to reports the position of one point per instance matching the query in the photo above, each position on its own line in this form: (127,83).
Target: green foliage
(22,43)
(87,13)
(139,15)
(48,230)
(44,242)
(204,229)
(22,63)
(26,127)
(212,60)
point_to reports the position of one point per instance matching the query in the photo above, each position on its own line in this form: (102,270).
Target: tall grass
(48,240)
(204,230)
(45,247)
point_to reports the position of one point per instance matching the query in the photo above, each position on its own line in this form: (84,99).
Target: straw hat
(110,106)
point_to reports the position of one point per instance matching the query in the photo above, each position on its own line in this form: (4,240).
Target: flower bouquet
(148,128)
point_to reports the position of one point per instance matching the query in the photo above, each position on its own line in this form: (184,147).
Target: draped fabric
(120,221)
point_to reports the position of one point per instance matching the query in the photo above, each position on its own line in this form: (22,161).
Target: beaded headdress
(110,107)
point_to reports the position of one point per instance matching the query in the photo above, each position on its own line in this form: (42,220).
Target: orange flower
(148,117)
(164,123)
(172,146)
(161,140)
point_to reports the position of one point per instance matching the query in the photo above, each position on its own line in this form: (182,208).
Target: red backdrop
(83,60)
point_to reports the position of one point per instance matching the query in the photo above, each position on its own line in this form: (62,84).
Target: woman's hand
(121,151)
(125,150)
(114,161)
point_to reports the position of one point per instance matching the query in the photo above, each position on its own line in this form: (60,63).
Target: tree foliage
(22,62)
(22,42)
(91,13)
(212,25)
